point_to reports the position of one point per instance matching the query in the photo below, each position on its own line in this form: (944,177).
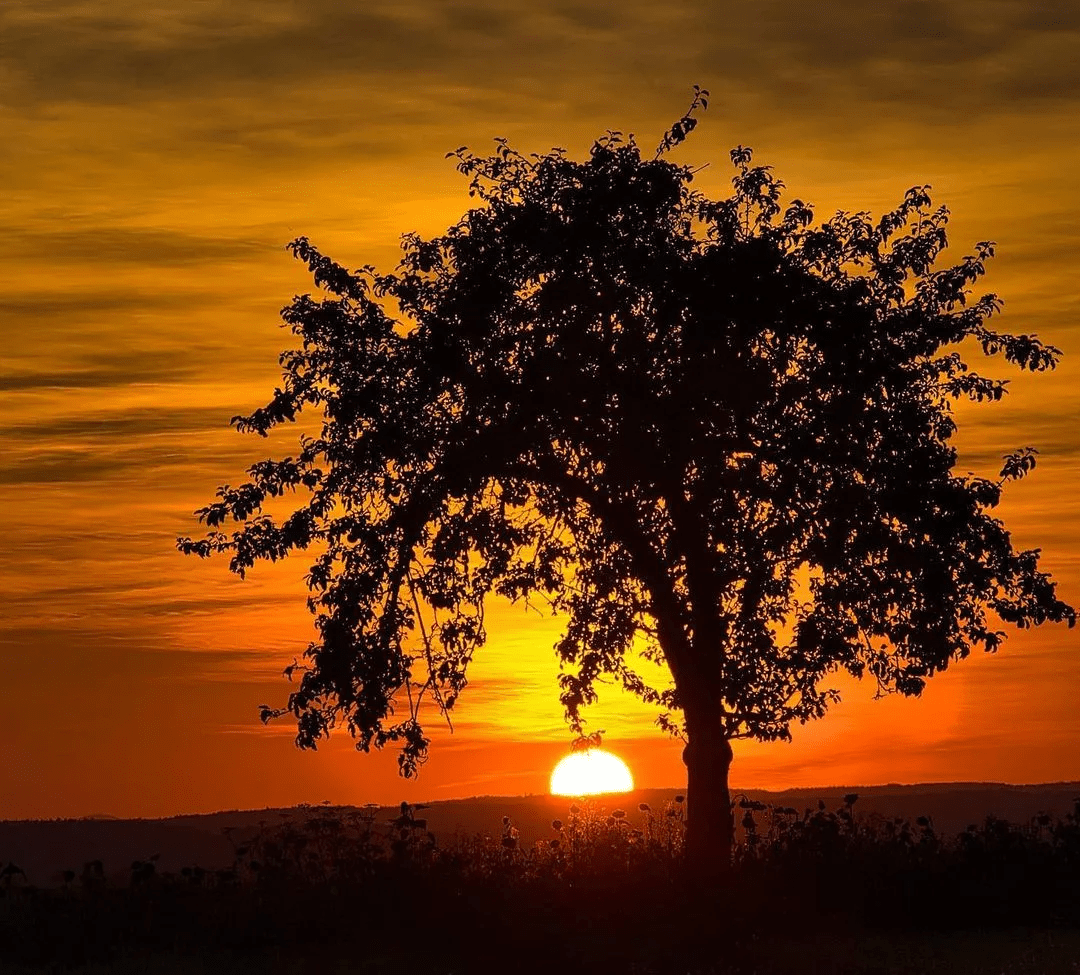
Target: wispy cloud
(121,371)
(146,247)
(109,424)
(884,52)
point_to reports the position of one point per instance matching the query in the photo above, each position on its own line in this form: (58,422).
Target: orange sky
(157,157)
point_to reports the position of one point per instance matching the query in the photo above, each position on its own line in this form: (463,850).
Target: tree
(707,430)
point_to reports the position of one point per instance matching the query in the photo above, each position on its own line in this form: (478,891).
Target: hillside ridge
(44,848)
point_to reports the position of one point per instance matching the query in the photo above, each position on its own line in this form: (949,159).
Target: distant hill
(43,848)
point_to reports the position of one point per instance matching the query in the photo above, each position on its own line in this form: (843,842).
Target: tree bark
(710,827)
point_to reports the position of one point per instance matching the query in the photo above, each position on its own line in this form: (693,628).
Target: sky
(158,155)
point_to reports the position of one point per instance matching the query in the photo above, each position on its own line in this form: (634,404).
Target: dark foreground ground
(823,889)
(1012,952)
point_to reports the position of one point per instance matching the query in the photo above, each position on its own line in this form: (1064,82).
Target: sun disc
(591,773)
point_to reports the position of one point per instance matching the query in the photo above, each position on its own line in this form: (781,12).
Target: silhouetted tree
(708,430)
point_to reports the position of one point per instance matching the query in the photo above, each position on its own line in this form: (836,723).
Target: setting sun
(590,773)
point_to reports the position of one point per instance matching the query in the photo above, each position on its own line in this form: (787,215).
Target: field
(843,885)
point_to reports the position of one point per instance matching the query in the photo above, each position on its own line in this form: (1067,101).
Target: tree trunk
(710,827)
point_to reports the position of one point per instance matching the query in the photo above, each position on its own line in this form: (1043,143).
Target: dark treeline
(606,892)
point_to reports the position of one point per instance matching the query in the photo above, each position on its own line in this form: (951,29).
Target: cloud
(889,51)
(139,367)
(113,424)
(77,355)
(147,462)
(132,245)
(131,647)
(50,305)
(131,54)
(64,466)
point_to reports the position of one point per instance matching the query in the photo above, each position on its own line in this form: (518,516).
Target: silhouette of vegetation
(607,892)
(713,433)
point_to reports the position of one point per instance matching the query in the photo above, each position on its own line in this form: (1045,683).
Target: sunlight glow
(590,773)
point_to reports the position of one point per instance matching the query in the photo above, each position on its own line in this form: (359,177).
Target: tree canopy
(712,430)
